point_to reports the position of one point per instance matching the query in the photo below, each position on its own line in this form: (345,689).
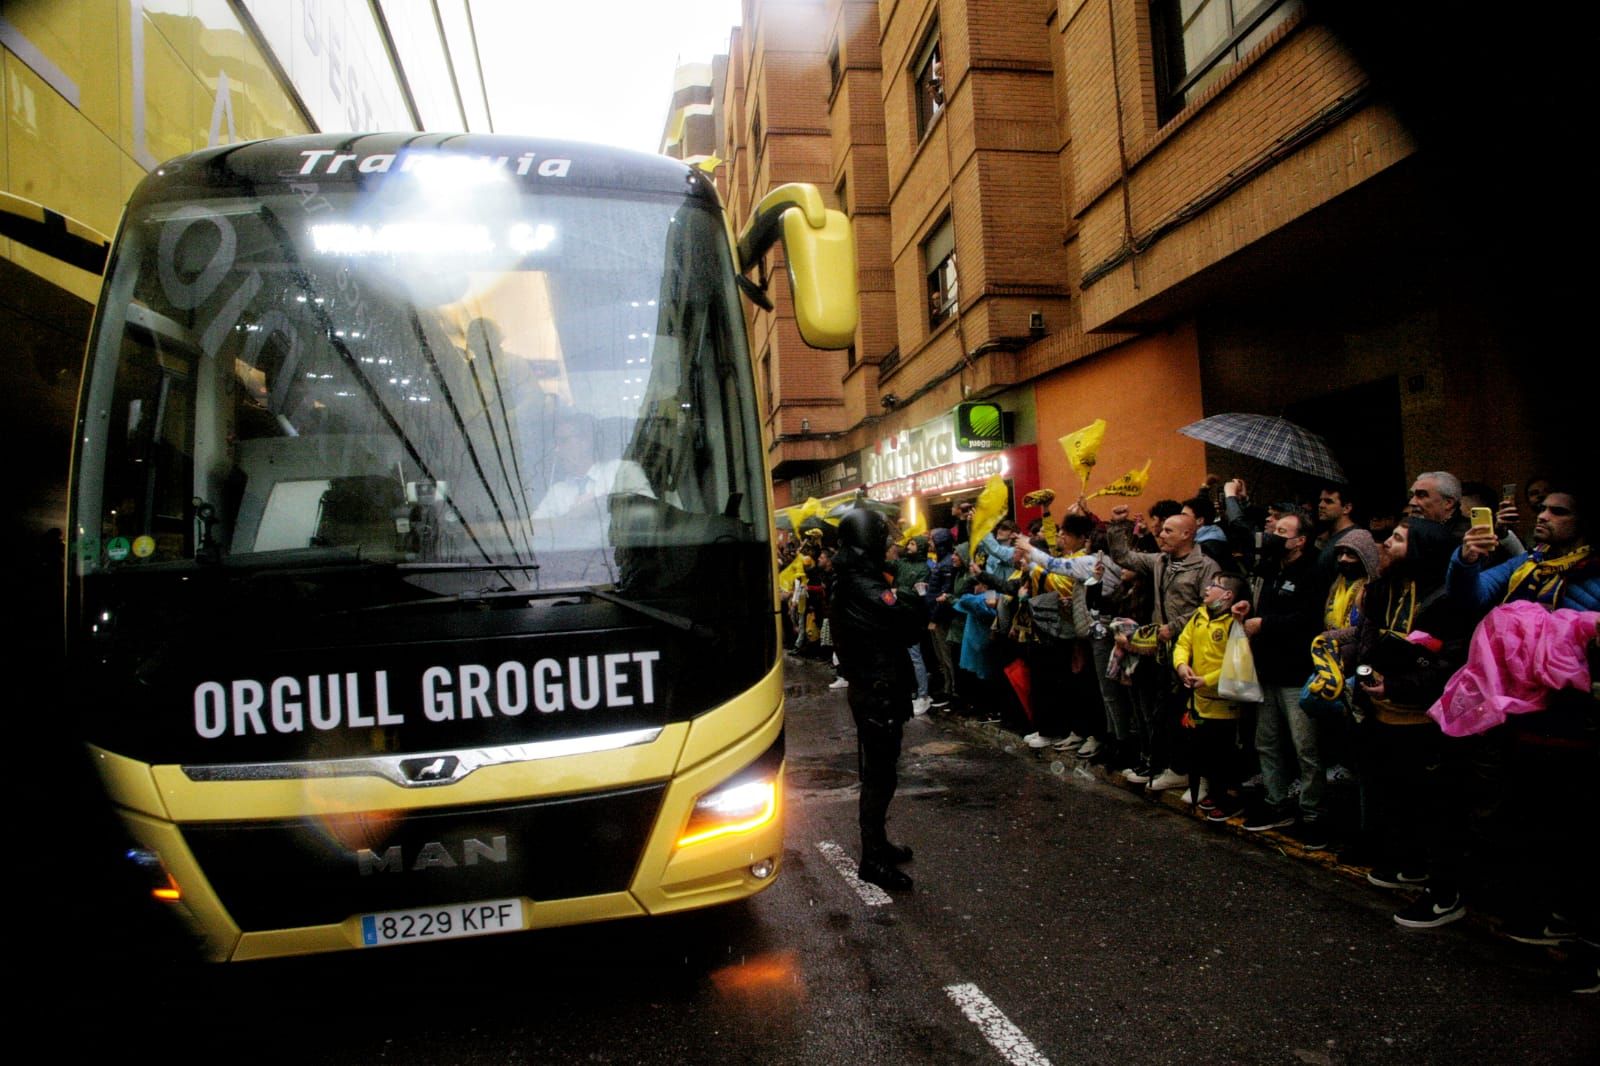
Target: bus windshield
(473,386)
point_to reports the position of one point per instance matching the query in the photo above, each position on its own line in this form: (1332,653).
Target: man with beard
(872,628)
(1536,768)
(1411,639)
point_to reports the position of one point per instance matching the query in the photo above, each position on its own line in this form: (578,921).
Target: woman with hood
(1356,563)
(1413,639)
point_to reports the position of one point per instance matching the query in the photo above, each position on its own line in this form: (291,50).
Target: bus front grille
(315,871)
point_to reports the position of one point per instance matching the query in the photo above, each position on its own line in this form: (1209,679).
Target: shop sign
(967,472)
(912,451)
(830,479)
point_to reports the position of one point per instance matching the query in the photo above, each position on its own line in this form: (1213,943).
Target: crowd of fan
(1423,675)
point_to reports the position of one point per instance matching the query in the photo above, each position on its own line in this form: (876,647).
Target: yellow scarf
(1542,580)
(1343,598)
(1402,610)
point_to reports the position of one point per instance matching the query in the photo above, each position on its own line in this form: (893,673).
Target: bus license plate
(441,923)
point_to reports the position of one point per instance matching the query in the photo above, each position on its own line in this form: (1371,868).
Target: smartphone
(1482,516)
(1508,492)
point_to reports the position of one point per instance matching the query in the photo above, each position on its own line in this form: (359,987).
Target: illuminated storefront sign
(964,474)
(926,460)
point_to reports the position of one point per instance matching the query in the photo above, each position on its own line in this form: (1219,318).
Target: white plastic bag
(1239,681)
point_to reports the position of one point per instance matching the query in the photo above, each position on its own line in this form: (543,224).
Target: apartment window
(755,132)
(766,378)
(842,195)
(928,71)
(835,68)
(939,264)
(1197,41)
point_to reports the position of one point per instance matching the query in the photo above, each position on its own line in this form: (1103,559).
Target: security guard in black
(872,630)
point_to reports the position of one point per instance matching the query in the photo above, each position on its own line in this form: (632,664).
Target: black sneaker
(1395,877)
(1309,835)
(884,875)
(1265,818)
(1549,931)
(1430,911)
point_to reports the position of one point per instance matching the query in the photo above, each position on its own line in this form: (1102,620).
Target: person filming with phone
(1560,571)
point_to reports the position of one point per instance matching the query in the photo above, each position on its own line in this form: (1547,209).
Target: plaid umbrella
(866,502)
(1269,438)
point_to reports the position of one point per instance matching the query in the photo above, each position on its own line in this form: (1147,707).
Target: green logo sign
(117,549)
(980,427)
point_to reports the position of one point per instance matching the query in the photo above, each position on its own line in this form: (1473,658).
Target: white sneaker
(920,705)
(1134,776)
(1088,747)
(1166,779)
(839,682)
(1205,792)
(1038,740)
(1072,743)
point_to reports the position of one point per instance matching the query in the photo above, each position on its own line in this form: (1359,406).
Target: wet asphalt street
(1056,918)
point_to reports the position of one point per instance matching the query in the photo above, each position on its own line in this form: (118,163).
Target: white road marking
(840,860)
(995,1026)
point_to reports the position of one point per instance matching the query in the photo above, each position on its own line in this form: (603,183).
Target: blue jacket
(942,568)
(975,636)
(1470,585)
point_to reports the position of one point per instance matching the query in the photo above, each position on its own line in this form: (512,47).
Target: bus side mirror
(821,251)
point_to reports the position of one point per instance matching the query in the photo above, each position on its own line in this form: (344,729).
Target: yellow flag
(795,569)
(813,508)
(989,509)
(1130,484)
(1047,525)
(1083,448)
(917,528)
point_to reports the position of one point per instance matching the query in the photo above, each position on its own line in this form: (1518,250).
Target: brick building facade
(1089,209)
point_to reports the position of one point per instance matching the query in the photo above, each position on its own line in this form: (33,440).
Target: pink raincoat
(1520,652)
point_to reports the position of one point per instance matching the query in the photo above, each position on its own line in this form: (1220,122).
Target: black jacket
(873,627)
(1290,609)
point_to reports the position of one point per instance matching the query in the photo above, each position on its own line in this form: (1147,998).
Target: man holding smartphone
(1544,759)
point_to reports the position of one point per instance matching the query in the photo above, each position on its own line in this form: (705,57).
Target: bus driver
(582,478)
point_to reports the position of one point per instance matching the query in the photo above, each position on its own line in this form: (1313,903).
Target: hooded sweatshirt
(942,568)
(1408,598)
(1344,595)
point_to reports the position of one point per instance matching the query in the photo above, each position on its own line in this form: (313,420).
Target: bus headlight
(738,808)
(163,886)
(743,803)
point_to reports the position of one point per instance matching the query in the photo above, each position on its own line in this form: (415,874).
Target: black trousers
(876,709)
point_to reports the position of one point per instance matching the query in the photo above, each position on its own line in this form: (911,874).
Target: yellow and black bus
(420,580)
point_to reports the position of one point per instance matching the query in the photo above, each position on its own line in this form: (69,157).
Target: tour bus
(420,575)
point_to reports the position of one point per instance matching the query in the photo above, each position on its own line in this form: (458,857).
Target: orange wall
(1144,390)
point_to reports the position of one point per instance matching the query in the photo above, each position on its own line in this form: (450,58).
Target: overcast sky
(593,70)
